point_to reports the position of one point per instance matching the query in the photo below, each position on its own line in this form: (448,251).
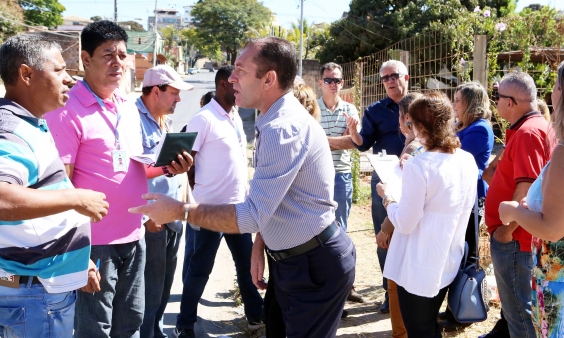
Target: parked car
(191,71)
(212,70)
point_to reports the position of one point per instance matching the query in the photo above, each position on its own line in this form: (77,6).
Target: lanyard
(103,106)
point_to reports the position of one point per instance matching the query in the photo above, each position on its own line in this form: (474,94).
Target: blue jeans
(162,254)
(31,312)
(343,196)
(512,269)
(201,249)
(379,213)
(117,310)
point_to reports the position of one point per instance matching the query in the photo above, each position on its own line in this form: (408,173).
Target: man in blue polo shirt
(44,221)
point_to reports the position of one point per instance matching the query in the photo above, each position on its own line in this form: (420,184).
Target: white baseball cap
(164,75)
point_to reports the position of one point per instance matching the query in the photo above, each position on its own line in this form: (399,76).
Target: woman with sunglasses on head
(412,148)
(472,111)
(542,215)
(438,193)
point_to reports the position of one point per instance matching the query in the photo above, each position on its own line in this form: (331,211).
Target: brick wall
(70,44)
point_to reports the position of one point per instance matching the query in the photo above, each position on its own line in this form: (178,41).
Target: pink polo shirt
(85,136)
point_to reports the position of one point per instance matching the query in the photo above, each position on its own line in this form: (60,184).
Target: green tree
(135,26)
(227,22)
(196,48)
(10,10)
(43,12)
(372,25)
(96,18)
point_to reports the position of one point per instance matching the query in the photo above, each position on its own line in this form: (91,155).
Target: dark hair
(207,97)
(330,66)
(99,32)
(432,115)
(406,101)
(223,73)
(276,54)
(23,50)
(147,90)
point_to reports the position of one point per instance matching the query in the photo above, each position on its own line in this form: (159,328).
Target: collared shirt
(380,128)
(151,134)
(334,124)
(291,194)
(85,136)
(221,163)
(55,248)
(529,145)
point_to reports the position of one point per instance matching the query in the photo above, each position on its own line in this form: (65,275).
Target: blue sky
(315,11)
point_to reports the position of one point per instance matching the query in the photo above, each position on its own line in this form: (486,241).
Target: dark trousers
(312,287)
(274,322)
(420,313)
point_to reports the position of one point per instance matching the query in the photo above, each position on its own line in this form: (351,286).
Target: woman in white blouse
(438,193)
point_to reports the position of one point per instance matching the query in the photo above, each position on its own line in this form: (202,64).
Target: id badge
(120,160)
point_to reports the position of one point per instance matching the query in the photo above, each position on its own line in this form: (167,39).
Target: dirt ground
(365,320)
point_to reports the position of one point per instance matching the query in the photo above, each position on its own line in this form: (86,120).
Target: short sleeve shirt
(528,149)
(85,136)
(54,248)
(334,124)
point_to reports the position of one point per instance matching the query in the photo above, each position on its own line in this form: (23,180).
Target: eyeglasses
(391,77)
(497,96)
(329,80)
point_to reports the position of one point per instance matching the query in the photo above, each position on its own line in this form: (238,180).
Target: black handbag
(466,294)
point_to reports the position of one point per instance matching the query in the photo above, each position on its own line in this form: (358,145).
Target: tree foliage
(135,26)
(196,48)
(46,13)
(372,25)
(10,10)
(227,22)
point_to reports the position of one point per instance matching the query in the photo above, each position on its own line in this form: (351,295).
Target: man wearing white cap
(161,92)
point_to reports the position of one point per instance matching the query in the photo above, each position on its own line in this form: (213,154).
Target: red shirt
(529,145)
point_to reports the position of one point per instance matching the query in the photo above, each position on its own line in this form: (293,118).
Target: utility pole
(156,37)
(115,11)
(301,35)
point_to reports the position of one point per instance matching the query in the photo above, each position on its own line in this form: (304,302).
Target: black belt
(303,248)
(25,279)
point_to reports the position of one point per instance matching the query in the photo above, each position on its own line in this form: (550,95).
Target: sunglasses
(391,77)
(329,80)
(497,96)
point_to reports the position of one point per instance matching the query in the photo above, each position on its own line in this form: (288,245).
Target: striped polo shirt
(54,248)
(334,124)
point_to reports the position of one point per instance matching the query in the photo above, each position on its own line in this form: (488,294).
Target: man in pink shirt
(95,135)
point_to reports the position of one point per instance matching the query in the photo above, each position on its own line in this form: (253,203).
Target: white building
(186,17)
(165,17)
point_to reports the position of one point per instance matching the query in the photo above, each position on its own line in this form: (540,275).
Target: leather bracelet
(167,172)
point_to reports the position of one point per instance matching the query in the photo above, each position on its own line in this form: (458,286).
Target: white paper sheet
(388,169)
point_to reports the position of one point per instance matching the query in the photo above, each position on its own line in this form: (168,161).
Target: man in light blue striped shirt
(290,201)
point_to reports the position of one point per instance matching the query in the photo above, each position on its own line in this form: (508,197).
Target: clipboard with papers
(388,169)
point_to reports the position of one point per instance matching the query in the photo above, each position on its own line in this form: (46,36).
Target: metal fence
(433,64)
(430,61)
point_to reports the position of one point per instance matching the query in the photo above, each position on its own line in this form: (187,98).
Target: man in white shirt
(218,176)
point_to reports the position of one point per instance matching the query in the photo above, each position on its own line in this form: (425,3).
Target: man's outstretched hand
(161,208)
